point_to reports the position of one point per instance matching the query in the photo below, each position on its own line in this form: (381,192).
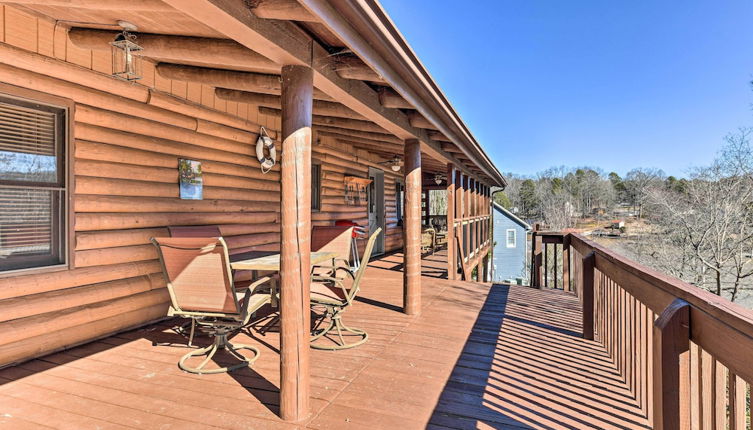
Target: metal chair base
(342,330)
(220,343)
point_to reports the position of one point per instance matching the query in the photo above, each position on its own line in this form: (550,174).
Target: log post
(459,205)
(485,266)
(471,213)
(452,268)
(295,221)
(672,367)
(412,229)
(589,263)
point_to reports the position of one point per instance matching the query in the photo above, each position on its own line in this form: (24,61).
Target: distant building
(510,246)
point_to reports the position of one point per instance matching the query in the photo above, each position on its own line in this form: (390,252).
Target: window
(33,217)
(511,238)
(399,201)
(316,187)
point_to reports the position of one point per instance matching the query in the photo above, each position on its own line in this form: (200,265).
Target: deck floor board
(478,356)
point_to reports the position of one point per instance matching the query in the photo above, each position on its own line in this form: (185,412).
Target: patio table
(257,261)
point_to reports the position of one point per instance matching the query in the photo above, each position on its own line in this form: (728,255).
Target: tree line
(559,196)
(698,228)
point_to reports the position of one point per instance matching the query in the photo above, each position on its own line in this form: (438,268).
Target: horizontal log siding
(128,138)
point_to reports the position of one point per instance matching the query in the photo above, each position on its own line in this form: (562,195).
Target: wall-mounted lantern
(126,53)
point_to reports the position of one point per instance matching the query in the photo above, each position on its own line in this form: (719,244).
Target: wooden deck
(478,356)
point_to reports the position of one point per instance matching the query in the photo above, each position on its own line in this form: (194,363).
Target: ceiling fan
(395,163)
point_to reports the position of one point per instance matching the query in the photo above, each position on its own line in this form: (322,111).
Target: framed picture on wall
(190,177)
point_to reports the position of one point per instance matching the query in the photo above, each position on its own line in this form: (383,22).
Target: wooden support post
(459,199)
(566,262)
(412,229)
(589,263)
(295,221)
(452,262)
(535,258)
(672,367)
(485,265)
(471,213)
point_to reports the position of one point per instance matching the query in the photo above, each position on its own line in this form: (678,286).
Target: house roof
(378,42)
(512,216)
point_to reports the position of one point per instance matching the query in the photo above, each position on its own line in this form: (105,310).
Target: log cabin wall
(127,141)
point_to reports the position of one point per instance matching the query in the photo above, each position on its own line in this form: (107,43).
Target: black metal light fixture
(126,53)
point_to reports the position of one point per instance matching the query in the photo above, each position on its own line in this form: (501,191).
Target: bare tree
(639,183)
(705,227)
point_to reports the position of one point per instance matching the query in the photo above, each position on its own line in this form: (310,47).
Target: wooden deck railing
(685,354)
(473,236)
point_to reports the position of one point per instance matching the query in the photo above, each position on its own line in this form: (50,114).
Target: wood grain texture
(295,220)
(412,229)
(478,356)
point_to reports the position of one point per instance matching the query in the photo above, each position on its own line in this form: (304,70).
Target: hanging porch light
(438,178)
(126,53)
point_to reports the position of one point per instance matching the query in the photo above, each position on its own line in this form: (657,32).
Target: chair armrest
(259,282)
(333,270)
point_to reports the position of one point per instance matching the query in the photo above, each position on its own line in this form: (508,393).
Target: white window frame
(514,238)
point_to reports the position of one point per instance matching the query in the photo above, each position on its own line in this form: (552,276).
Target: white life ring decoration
(264,141)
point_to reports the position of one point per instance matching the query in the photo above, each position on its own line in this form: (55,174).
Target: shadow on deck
(478,356)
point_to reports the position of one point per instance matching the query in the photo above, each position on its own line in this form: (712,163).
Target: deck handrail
(623,298)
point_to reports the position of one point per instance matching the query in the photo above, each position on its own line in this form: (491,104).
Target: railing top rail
(719,326)
(719,307)
(551,233)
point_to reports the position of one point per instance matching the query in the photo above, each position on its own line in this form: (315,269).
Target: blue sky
(613,84)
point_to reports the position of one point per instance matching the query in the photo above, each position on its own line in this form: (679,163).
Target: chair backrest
(364,263)
(335,239)
(194,231)
(198,274)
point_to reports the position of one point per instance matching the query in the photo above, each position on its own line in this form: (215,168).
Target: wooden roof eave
(368,31)
(285,43)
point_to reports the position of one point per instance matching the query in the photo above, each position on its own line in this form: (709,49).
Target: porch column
(295,221)
(412,229)
(452,261)
(459,213)
(472,213)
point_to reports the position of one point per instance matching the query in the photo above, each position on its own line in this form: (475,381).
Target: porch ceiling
(356,104)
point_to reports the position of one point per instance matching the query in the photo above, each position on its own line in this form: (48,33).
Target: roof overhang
(368,31)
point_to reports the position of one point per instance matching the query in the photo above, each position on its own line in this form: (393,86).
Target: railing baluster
(588,295)
(737,392)
(554,264)
(566,263)
(671,367)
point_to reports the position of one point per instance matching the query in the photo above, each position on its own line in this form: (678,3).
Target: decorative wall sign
(191,181)
(355,189)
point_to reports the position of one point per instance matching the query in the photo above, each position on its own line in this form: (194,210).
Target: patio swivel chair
(331,294)
(200,283)
(336,239)
(428,240)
